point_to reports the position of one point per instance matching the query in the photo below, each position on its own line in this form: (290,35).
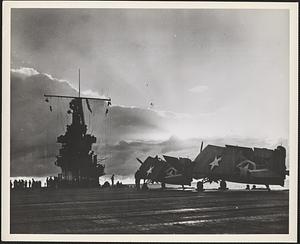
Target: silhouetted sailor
(112,179)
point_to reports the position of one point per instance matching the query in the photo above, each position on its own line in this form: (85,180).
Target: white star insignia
(215,163)
(149,171)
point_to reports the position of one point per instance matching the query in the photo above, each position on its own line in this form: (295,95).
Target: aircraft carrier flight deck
(127,211)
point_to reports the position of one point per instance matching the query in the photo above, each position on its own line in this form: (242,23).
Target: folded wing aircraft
(241,165)
(219,164)
(170,171)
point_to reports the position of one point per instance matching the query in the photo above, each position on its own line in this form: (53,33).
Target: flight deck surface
(127,211)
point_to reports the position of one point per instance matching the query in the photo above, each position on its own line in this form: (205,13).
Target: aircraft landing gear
(163,186)
(137,184)
(223,185)
(145,187)
(200,186)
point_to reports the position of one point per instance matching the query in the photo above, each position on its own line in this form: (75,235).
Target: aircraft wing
(158,170)
(208,162)
(262,173)
(174,162)
(241,164)
(182,168)
(152,168)
(178,179)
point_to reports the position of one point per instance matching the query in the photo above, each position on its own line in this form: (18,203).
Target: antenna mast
(79,82)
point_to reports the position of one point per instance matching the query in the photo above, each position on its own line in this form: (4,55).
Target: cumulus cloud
(172,114)
(24,72)
(123,154)
(31,126)
(124,134)
(90,93)
(34,127)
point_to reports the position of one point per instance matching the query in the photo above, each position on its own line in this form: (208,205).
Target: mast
(79,82)
(76,158)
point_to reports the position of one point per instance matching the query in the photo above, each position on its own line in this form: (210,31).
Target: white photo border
(293,123)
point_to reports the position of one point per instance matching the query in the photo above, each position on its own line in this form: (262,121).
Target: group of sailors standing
(32,184)
(25,184)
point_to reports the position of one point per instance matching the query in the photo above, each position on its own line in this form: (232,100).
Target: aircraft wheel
(145,187)
(223,185)
(200,186)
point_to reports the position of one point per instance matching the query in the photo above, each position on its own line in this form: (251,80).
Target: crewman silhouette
(112,179)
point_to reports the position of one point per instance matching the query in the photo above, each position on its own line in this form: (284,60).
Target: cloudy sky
(208,74)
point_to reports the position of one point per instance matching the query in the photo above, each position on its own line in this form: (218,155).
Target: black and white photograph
(169,121)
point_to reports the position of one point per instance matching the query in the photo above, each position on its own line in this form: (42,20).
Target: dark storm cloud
(190,61)
(34,127)
(124,154)
(135,123)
